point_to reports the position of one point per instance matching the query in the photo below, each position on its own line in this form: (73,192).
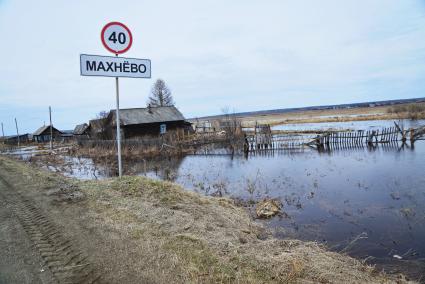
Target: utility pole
(2,130)
(17,131)
(51,129)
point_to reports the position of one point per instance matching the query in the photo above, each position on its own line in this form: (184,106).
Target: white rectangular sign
(110,66)
(162,128)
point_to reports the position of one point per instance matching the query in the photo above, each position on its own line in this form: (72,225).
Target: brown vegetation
(171,144)
(329,115)
(412,111)
(104,153)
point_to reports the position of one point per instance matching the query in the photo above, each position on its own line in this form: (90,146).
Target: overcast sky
(248,55)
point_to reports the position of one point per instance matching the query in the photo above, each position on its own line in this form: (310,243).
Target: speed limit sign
(116,37)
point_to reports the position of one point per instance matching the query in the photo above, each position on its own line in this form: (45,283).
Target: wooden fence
(266,140)
(359,137)
(193,140)
(278,141)
(333,140)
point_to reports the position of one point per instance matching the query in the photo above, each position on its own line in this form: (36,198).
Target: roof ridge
(142,108)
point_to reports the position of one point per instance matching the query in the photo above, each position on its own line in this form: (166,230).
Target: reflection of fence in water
(277,141)
(387,147)
(277,152)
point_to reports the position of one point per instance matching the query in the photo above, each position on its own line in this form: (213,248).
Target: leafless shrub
(412,111)
(232,127)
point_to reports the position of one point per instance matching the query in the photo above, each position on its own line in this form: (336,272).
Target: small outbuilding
(43,134)
(81,130)
(97,128)
(67,135)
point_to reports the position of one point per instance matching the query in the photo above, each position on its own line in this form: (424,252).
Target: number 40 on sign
(116,37)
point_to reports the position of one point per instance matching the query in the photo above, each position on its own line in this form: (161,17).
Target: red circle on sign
(103,38)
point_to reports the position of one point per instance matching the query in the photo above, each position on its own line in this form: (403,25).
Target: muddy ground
(19,263)
(136,230)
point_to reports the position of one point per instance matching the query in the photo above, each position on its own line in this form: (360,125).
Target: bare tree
(101,125)
(102,114)
(160,95)
(231,125)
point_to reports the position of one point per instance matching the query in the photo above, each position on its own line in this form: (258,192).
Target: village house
(43,134)
(67,135)
(97,128)
(13,139)
(136,122)
(228,123)
(81,130)
(202,126)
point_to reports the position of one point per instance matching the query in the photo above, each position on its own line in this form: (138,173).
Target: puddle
(83,168)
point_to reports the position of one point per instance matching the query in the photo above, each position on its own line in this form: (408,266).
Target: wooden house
(43,134)
(136,122)
(81,130)
(98,128)
(13,139)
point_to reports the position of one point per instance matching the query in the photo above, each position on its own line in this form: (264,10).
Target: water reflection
(364,200)
(367,201)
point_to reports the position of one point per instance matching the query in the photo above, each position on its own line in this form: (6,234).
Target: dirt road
(34,251)
(18,253)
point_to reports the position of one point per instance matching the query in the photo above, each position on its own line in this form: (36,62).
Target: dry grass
(99,153)
(142,231)
(6,147)
(334,115)
(412,111)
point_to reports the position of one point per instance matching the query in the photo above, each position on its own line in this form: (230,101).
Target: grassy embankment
(142,231)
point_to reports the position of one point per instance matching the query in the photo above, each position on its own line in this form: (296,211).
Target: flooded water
(368,202)
(364,201)
(350,125)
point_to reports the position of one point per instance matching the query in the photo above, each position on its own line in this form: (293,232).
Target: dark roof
(148,115)
(80,129)
(44,128)
(97,124)
(14,136)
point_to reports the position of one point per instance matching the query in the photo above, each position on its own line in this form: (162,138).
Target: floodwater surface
(364,201)
(368,202)
(350,125)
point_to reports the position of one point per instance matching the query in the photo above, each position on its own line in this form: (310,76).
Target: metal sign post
(116,38)
(118,126)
